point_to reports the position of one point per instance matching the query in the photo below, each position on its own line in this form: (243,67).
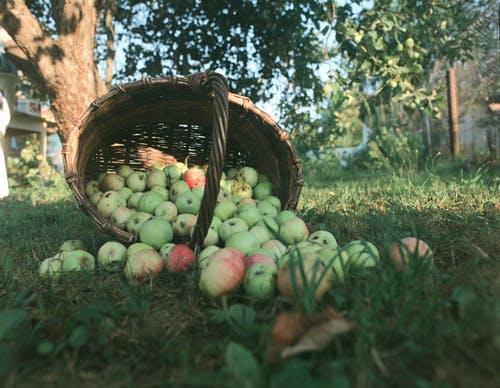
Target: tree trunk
(64,67)
(453,112)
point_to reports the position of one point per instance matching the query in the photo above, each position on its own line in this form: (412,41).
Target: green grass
(423,327)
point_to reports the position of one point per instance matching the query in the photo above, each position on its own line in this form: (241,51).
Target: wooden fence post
(451,83)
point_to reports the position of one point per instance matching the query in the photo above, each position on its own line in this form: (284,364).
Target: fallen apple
(180,258)
(156,232)
(408,248)
(145,264)
(260,281)
(112,255)
(77,260)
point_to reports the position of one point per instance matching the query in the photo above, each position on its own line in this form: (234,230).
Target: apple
(112,182)
(156,178)
(136,221)
(77,260)
(149,201)
(156,232)
(212,237)
(95,197)
(109,201)
(223,194)
(164,251)
(112,254)
(246,201)
(174,172)
(91,187)
(262,233)
(120,216)
(125,192)
(71,245)
(262,190)
(101,176)
(180,258)
(275,201)
(232,173)
(198,190)
(303,274)
(50,267)
(362,254)
(227,184)
(178,188)
(241,190)
(248,213)
(244,241)
(260,281)
(162,190)
(187,202)
(124,171)
(254,258)
(324,238)
(194,177)
(263,251)
(137,247)
(145,264)
(248,175)
(225,210)
(293,230)
(167,210)
(271,225)
(402,251)
(133,200)
(136,181)
(284,216)
(223,273)
(231,226)
(183,224)
(277,248)
(202,259)
(337,260)
(267,209)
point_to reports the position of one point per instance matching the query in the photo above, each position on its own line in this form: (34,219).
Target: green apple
(162,190)
(248,213)
(120,216)
(95,197)
(262,233)
(260,281)
(149,201)
(137,247)
(173,172)
(50,267)
(244,241)
(262,178)
(277,248)
(124,171)
(225,210)
(284,216)
(183,224)
(71,245)
(293,230)
(109,201)
(164,251)
(271,225)
(91,187)
(187,202)
(231,226)
(227,184)
(125,192)
(78,260)
(241,190)
(137,181)
(156,232)
(248,175)
(202,259)
(198,190)
(167,210)
(133,200)
(362,254)
(324,238)
(223,195)
(145,264)
(177,188)
(112,182)
(156,177)
(275,201)
(338,262)
(232,173)
(267,209)
(262,190)
(246,201)
(136,221)
(112,255)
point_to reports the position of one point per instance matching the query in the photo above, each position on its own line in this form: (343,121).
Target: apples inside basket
(165,124)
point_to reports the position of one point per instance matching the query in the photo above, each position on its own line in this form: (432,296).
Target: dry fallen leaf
(296,332)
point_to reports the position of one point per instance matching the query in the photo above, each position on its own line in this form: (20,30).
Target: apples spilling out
(253,244)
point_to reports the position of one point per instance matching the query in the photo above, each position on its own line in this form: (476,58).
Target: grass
(423,327)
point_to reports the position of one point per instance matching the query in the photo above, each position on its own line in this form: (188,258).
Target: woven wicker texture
(168,119)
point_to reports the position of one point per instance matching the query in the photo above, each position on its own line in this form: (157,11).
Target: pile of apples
(252,243)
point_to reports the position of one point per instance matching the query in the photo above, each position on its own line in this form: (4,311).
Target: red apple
(224,272)
(194,177)
(407,248)
(259,258)
(180,258)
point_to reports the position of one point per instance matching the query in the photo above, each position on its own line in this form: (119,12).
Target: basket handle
(206,83)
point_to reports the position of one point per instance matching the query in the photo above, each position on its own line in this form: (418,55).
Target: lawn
(424,327)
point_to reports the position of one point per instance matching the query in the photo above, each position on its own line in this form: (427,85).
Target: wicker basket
(169,119)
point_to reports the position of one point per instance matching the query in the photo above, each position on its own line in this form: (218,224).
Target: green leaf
(10,319)
(79,336)
(242,315)
(241,365)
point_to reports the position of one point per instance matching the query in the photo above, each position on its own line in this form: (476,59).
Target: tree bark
(63,67)
(451,82)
